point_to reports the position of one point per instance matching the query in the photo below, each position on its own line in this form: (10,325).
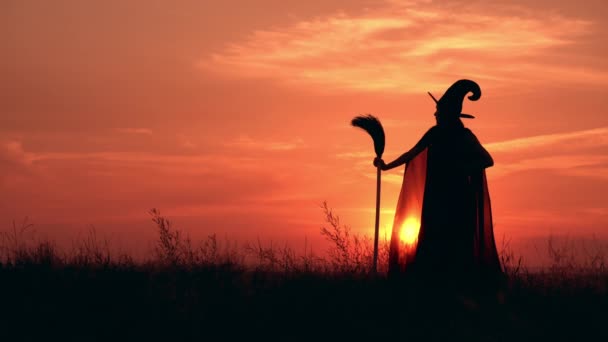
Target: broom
(373,127)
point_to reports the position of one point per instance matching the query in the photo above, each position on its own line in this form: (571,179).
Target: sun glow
(409,231)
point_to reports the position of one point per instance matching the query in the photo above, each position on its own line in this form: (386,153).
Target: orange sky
(233,116)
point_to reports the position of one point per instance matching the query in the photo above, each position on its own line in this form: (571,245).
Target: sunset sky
(233,116)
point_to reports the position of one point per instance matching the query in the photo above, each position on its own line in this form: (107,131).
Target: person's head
(446,117)
(449,107)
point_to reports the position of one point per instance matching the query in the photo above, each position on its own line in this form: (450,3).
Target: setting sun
(409,230)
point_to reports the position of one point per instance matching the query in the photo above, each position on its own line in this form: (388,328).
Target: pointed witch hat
(451,101)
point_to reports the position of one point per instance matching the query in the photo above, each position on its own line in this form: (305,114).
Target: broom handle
(377,228)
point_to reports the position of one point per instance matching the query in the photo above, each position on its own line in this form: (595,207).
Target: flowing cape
(429,237)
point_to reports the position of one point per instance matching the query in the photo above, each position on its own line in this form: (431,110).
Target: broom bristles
(373,127)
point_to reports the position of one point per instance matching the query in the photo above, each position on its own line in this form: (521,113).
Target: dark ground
(219,303)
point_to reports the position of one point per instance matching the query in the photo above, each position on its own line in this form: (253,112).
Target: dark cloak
(445,189)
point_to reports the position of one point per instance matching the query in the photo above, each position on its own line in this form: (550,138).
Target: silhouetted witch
(444,202)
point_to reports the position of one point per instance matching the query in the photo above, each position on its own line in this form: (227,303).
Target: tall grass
(217,290)
(348,253)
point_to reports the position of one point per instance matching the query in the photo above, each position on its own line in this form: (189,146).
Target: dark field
(207,292)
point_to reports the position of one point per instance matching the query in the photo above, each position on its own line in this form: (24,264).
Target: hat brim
(462,115)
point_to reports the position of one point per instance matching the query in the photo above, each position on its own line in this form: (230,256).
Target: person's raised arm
(407,156)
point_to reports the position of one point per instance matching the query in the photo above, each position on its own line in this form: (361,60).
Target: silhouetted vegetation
(216,290)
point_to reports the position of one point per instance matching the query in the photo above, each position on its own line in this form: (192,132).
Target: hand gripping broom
(374,128)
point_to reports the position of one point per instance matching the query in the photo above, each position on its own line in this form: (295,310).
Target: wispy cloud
(355,155)
(247,142)
(144,131)
(12,153)
(14,159)
(404,47)
(577,139)
(15,163)
(185,141)
(578,153)
(583,165)
(134,157)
